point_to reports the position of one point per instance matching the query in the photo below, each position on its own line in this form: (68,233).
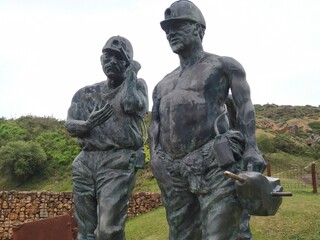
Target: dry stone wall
(20,207)
(143,202)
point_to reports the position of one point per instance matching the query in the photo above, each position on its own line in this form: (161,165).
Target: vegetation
(315,126)
(296,219)
(286,112)
(36,153)
(266,144)
(22,160)
(283,132)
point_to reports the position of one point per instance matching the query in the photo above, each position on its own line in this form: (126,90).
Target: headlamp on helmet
(182,10)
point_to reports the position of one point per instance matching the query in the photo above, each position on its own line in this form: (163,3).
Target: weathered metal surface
(57,228)
(258,194)
(74,225)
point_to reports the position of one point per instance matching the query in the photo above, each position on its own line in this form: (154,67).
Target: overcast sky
(51,48)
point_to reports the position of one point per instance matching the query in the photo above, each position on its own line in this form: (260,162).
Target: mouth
(111,71)
(109,68)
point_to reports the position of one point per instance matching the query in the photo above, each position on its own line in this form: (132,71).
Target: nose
(112,60)
(170,32)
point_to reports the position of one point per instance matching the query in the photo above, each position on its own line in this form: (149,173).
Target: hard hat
(115,43)
(183,10)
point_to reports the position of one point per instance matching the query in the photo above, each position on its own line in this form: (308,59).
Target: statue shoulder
(231,64)
(171,74)
(89,89)
(213,60)
(168,78)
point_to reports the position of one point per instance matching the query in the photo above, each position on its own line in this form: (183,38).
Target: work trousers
(102,185)
(200,201)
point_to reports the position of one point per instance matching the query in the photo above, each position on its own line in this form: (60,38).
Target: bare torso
(190,102)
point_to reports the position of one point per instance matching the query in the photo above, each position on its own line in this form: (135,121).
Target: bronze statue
(192,144)
(106,118)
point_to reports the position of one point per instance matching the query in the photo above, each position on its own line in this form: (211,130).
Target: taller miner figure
(191,143)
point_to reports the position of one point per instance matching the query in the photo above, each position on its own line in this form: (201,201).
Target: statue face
(113,64)
(179,35)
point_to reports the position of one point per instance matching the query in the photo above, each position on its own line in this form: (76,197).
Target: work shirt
(122,129)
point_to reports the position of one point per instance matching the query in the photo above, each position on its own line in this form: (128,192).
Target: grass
(145,181)
(282,161)
(60,180)
(148,226)
(56,180)
(298,218)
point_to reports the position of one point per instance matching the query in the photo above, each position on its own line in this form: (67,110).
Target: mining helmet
(183,10)
(115,43)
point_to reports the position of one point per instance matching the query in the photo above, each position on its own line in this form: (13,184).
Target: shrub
(265,144)
(286,144)
(59,146)
(316,150)
(10,131)
(315,126)
(22,160)
(35,126)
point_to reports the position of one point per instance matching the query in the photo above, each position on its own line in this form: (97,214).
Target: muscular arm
(246,114)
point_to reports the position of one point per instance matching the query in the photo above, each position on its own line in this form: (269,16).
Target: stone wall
(19,207)
(143,202)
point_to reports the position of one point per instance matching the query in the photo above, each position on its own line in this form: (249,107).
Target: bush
(35,126)
(265,144)
(316,151)
(60,148)
(22,160)
(10,131)
(315,127)
(286,144)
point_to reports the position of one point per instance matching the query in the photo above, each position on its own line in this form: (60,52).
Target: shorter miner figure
(106,118)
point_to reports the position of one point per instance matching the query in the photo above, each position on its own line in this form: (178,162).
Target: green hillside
(36,153)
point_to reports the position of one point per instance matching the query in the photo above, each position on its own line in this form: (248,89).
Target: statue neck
(190,58)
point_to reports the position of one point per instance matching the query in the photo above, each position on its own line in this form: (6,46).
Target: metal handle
(242,180)
(281,194)
(234,176)
(215,126)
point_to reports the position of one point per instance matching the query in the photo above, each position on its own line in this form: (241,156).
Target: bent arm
(135,98)
(78,127)
(246,114)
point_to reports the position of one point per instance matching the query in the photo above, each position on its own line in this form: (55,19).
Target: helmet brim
(115,51)
(165,23)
